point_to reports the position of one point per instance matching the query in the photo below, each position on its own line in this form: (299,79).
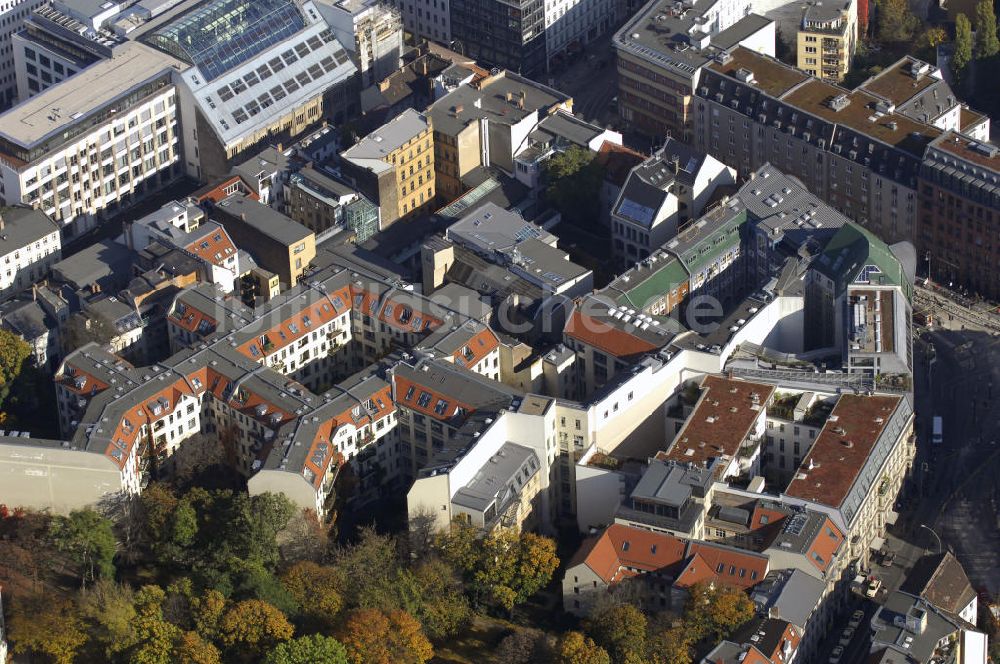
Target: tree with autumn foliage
(373,637)
(672,645)
(715,611)
(191,648)
(621,630)
(502,569)
(317,589)
(576,648)
(48,625)
(252,627)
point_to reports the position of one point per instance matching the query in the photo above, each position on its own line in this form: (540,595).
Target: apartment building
(910,627)
(371,31)
(856,468)
(501,35)
(660,196)
(487,123)
(662,50)
(96,143)
(13,14)
(853,149)
(428,19)
(762,640)
(826,40)
(276,242)
(394,166)
(29,245)
(959,192)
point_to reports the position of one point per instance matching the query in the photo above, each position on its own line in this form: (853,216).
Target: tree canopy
(574,183)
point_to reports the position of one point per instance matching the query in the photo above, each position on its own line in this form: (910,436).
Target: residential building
(557,133)
(324,203)
(12,16)
(759,641)
(276,242)
(662,51)
(940,580)
(428,19)
(726,428)
(857,467)
(670,498)
(657,567)
(826,40)
(371,31)
(617,162)
(486,123)
(30,320)
(913,628)
(959,198)
(671,188)
(29,245)
(853,149)
(570,26)
(801,599)
(394,166)
(96,143)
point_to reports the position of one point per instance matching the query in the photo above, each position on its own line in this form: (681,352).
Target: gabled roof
(851,251)
(941,580)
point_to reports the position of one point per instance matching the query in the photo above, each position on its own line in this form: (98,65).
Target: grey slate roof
(23,226)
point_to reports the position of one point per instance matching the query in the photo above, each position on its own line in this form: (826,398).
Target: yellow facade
(825,42)
(414,168)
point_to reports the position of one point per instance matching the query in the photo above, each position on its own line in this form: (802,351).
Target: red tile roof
(214,244)
(617,161)
(721,421)
(605,337)
(836,458)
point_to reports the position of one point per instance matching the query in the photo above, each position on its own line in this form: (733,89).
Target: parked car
(837,653)
(856,618)
(846,636)
(873,587)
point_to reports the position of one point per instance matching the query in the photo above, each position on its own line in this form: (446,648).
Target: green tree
(158,504)
(442,607)
(987,44)
(207,611)
(373,637)
(575,648)
(621,630)
(110,608)
(312,649)
(368,568)
(89,541)
(574,184)
(47,624)
(962,56)
(896,23)
(14,353)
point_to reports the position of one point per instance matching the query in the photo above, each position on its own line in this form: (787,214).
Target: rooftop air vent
(840,102)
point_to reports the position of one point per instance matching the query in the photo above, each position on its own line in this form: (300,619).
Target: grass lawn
(476,645)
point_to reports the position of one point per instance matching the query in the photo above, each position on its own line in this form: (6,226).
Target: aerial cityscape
(499,332)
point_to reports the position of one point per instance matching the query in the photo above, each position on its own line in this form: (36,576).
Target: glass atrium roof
(222,34)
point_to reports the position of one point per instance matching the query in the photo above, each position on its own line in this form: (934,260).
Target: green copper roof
(854,249)
(668,275)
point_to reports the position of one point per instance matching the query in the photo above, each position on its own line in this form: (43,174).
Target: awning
(891,517)
(877,543)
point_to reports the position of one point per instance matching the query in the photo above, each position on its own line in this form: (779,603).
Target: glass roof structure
(222,34)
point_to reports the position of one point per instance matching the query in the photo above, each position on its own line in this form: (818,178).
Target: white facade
(12,15)
(37,67)
(22,266)
(576,22)
(372,32)
(88,146)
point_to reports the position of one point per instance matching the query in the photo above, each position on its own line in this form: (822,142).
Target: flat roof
(771,76)
(898,82)
(893,129)
(721,420)
(93,88)
(266,220)
(842,448)
(970,150)
(372,151)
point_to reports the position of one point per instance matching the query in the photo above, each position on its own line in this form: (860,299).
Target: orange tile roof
(214,245)
(605,337)
(741,569)
(479,346)
(293,328)
(408,393)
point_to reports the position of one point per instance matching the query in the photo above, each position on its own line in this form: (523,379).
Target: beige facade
(826,41)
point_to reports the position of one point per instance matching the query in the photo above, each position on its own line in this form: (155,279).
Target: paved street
(957,481)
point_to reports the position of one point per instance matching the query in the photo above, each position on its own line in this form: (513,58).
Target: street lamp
(935,536)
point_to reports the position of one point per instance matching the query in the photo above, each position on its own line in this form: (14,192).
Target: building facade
(826,40)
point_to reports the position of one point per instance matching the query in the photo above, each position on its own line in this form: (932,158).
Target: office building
(13,14)
(96,143)
(662,50)
(324,203)
(959,191)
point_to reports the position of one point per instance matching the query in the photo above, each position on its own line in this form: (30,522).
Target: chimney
(243,216)
(280,147)
(677,164)
(3,223)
